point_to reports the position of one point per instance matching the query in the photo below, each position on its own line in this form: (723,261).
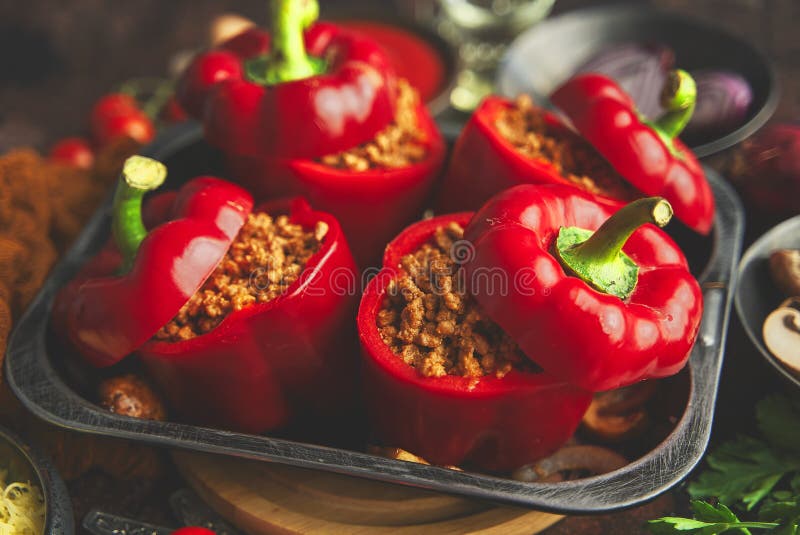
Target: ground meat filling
(524,127)
(429,320)
(400,144)
(267,256)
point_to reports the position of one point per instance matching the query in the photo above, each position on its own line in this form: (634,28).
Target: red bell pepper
(273,135)
(493,423)
(372,206)
(264,364)
(110,316)
(485,163)
(648,155)
(600,312)
(317,93)
(271,361)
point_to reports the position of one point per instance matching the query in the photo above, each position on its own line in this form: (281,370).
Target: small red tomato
(193,531)
(118,115)
(112,104)
(132,123)
(73,151)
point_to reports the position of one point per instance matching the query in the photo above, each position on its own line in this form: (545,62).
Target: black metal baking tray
(36,374)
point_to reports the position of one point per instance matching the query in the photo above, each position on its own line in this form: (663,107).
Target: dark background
(57,57)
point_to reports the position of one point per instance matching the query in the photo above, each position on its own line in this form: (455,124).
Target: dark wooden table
(56,58)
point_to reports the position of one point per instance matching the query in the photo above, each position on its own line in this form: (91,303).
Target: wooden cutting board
(261,498)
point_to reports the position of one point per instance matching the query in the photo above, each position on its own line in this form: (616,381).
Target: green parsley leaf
(708,520)
(673,524)
(747,472)
(787,513)
(795,484)
(744,470)
(712,513)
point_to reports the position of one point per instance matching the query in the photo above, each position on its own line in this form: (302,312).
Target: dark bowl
(25,464)
(757,295)
(447,53)
(549,53)
(37,374)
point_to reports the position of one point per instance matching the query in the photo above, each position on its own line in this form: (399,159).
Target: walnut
(129,395)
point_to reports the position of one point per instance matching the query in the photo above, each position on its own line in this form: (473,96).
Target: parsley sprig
(708,520)
(747,472)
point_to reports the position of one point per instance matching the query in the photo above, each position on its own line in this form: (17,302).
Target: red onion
(767,170)
(723,99)
(640,69)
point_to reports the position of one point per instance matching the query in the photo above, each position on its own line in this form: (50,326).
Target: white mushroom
(227,26)
(784,264)
(782,333)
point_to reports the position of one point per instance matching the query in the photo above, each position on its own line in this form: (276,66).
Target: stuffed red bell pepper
(619,157)
(232,311)
(318,114)
(602,299)
(442,380)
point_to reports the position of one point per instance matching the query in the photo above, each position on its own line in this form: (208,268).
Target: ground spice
(26,192)
(524,126)
(267,256)
(430,321)
(43,206)
(26,250)
(400,144)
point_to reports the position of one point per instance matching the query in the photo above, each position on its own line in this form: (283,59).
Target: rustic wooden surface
(264,499)
(56,58)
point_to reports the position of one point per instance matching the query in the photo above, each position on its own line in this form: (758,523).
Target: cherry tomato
(118,115)
(73,151)
(112,104)
(132,123)
(193,531)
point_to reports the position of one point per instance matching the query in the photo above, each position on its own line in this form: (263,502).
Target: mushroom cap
(784,264)
(781,333)
(227,26)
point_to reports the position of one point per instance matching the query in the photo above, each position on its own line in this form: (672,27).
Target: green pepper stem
(607,242)
(597,257)
(678,98)
(153,93)
(139,175)
(289,60)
